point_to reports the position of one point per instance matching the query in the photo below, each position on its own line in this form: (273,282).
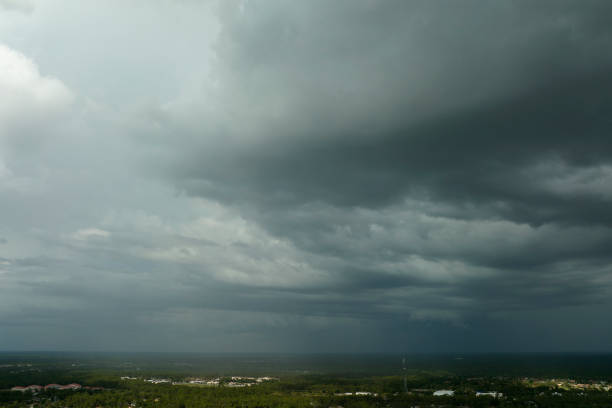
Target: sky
(306,176)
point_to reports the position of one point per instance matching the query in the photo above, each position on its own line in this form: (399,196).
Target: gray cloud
(490,121)
(308,177)
(319,150)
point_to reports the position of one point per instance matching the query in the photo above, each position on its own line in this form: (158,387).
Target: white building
(493,394)
(444,393)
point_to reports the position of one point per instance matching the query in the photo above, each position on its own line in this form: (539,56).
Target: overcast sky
(304,176)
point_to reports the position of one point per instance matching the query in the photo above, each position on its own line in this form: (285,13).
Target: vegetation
(325,388)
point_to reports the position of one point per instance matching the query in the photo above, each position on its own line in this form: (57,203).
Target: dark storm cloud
(483,154)
(347,176)
(495,159)
(489,117)
(485,158)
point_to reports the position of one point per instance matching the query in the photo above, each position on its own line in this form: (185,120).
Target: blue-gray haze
(298,176)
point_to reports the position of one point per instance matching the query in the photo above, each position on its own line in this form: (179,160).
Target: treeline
(312,392)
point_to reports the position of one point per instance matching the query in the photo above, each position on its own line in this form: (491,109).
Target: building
(493,394)
(444,393)
(72,386)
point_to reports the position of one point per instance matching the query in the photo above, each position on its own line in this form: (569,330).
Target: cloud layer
(307,176)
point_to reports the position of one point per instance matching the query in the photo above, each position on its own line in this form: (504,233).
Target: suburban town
(232,382)
(39,388)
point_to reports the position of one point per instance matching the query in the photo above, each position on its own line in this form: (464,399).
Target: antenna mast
(405,375)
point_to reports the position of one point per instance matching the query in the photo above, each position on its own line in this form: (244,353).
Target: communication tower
(405,375)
